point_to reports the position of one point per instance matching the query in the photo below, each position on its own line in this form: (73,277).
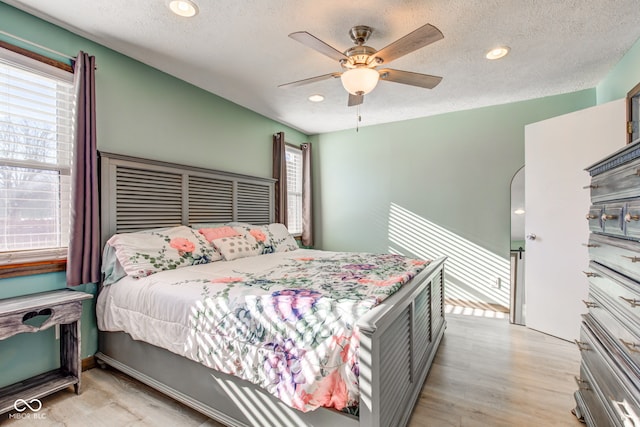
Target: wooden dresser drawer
(619,339)
(613,219)
(617,254)
(623,293)
(618,395)
(622,182)
(594,217)
(632,219)
(594,411)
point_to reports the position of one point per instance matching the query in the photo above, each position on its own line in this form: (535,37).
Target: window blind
(294,189)
(36,139)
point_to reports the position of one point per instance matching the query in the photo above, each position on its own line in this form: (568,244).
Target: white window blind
(36,137)
(294,189)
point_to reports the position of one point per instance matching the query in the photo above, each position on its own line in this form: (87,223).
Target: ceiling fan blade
(309,80)
(315,43)
(410,78)
(355,100)
(415,40)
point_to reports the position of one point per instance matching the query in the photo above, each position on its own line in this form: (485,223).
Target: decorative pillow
(146,252)
(212,234)
(236,247)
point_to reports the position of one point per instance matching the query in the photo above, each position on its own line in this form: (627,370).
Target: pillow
(146,252)
(271,238)
(111,268)
(236,247)
(281,239)
(212,234)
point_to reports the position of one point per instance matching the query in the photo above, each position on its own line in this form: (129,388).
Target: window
(36,137)
(294,189)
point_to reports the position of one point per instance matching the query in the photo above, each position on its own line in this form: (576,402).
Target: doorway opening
(517,254)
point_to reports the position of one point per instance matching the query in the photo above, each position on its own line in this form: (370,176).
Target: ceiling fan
(360,62)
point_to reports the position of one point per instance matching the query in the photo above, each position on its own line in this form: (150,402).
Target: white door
(556,152)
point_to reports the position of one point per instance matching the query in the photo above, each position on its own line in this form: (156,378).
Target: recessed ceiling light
(186,8)
(316,98)
(498,52)
(519,211)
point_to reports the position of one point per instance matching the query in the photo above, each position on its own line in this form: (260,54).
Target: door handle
(531,236)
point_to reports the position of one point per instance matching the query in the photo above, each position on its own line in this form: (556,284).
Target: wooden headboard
(138,194)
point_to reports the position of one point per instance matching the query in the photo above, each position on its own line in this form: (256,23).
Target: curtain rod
(73,58)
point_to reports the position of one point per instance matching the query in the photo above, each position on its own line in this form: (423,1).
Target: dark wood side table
(37,312)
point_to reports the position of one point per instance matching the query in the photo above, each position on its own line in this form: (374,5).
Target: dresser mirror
(633,114)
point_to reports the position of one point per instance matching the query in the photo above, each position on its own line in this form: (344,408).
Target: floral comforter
(284,321)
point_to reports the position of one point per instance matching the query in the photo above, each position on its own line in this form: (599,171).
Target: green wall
(141,112)
(622,78)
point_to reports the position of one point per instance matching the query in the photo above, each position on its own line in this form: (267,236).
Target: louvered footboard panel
(421,327)
(395,372)
(437,301)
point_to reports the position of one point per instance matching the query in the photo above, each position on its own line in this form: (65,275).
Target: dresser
(609,381)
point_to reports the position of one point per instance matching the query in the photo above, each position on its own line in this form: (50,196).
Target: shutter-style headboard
(138,194)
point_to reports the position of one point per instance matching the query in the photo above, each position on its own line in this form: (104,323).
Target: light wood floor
(486,373)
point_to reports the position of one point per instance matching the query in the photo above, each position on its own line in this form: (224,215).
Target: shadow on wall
(472,272)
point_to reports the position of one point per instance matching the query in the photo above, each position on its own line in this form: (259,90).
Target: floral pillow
(235,247)
(271,238)
(281,239)
(146,252)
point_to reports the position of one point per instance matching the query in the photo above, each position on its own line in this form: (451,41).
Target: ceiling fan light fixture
(360,81)
(498,52)
(185,8)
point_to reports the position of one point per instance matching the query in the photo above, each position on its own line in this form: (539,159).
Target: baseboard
(88,363)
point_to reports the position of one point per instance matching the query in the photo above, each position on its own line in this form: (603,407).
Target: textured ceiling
(240,51)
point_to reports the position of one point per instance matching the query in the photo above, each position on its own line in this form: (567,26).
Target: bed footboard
(398,341)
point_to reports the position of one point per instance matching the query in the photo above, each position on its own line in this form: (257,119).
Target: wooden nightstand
(62,308)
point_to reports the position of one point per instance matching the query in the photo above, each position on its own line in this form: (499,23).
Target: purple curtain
(307,207)
(83,259)
(280,175)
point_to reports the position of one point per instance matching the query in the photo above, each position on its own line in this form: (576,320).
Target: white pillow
(146,252)
(236,247)
(281,239)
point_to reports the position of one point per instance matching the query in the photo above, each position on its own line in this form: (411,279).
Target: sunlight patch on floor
(475,311)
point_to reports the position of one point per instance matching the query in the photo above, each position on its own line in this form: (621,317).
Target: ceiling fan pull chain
(358,118)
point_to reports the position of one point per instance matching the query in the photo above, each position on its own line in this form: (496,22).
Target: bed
(399,332)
